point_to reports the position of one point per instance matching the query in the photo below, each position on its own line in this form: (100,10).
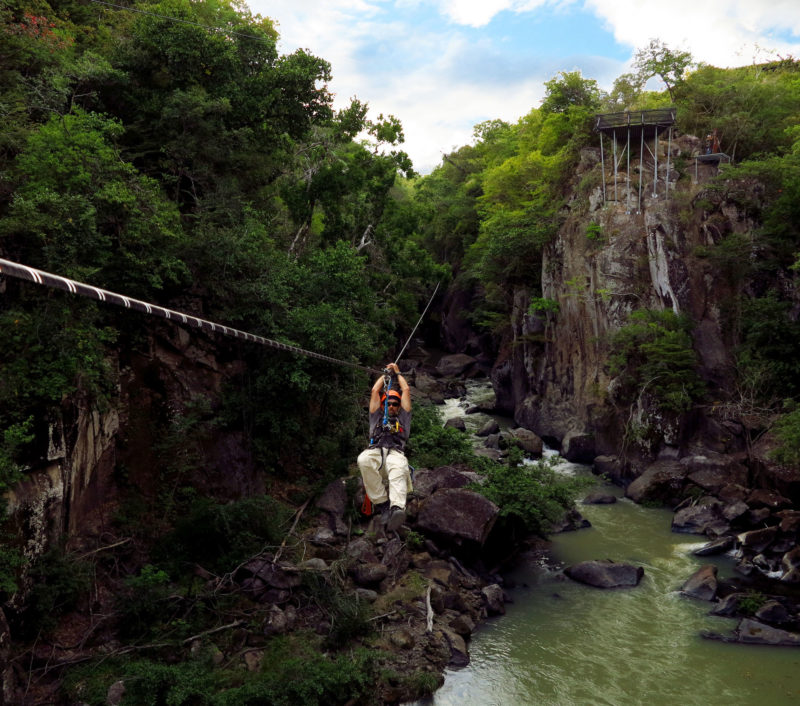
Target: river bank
(562,643)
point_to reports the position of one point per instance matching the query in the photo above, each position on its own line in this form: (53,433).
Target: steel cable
(47,279)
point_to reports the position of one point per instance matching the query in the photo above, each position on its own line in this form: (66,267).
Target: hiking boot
(397,517)
(381,511)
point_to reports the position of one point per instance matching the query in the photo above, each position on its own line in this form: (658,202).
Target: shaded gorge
(566,644)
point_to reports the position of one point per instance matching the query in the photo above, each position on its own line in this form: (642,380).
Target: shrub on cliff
(653,355)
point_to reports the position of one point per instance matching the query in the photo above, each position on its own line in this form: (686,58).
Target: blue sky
(442,66)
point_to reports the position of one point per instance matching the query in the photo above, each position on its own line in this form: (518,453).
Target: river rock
(733,492)
(791,576)
(790,520)
(756,541)
(493,454)
(429,387)
(735,510)
(608,466)
(578,447)
(761,497)
(491,427)
(712,471)
(458,514)
(528,441)
(605,574)
(456,423)
(455,365)
(774,613)
(729,605)
(662,481)
(598,497)
(494,598)
(791,559)
(702,584)
(570,522)
(756,633)
(704,517)
(459,656)
(716,546)
(492,441)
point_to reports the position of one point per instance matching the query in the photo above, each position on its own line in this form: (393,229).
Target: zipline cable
(419,321)
(47,279)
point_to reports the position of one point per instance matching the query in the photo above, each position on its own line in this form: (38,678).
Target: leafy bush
(58,582)
(769,341)
(220,536)
(751,602)
(143,604)
(295,672)
(653,354)
(531,494)
(431,444)
(787,431)
(349,616)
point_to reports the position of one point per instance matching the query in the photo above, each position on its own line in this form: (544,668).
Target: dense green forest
(143,152)
(157,158)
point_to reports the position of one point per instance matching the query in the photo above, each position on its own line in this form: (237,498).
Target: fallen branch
(430,610)
(220,628)
(102,549)
(291,529)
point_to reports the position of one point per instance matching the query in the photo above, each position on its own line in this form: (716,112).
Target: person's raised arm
(405,399)
(375,395)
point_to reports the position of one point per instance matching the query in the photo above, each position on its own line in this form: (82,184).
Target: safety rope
(47,279)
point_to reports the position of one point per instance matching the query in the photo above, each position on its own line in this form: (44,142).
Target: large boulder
(702,584)
(428,387)
(717,546)
(491,427)
(456,423)
(704,517)
(605,574)
(456,365)
(610,467)
(528,441)
(756,541)
(754,633)
(713,471)
(662,481)
(578,447)
(427,482)
(334,498)
(458,515)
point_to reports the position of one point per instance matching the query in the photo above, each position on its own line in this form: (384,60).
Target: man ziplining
(385,462)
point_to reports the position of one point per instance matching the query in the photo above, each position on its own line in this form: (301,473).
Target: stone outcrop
(702,584)
(458,516)
(605,574)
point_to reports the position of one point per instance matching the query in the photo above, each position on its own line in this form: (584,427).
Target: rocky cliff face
(608,260)
(72,494)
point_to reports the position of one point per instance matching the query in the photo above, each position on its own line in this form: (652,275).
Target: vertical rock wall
(598,275)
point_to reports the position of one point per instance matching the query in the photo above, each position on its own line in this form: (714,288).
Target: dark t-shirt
(387,439)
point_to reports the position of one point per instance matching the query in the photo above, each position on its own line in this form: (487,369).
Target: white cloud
(719,32)
(439,83)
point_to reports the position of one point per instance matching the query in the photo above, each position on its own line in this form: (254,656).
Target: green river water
(565,644)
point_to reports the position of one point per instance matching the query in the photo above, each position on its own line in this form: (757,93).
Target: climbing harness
(47,279)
